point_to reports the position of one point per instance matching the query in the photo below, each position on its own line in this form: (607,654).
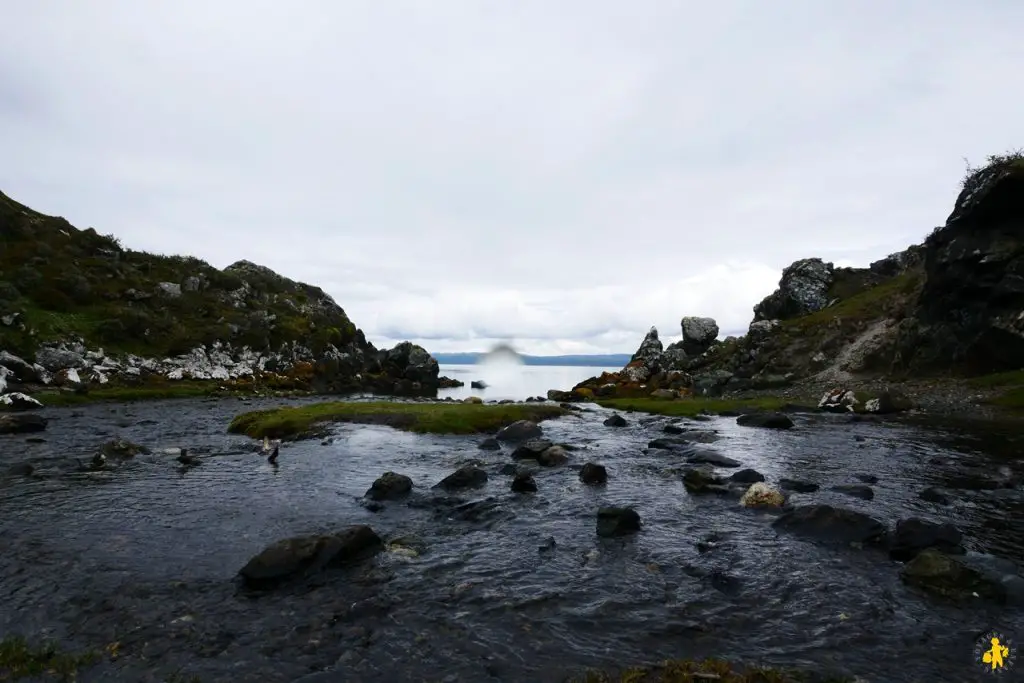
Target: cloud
(563,175)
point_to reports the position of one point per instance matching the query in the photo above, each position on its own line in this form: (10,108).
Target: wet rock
(700,480)
(664,443)
(949,577)
(711,458)
(531,450)
(521,430)
(559,396)
(798,486)
(887,403)
(673,429)
(553,457)
(21,469)
(548,545)
(913,535)
(122,448)
(592,473)
(508,469)
(746,476)
(934,495)
(466,477)
(389,486)
(523,482)
(478,384)
(761,494)
(16,401)
(831,524)
(867,478)
(22,423)
(617,521)
(862,491)
(766,420)
(490,444)
(301,555)
(188,460)
(615,421)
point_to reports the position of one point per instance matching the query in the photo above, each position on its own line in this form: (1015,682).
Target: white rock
(21,401)
(4,372)
(176,374)
(73,376)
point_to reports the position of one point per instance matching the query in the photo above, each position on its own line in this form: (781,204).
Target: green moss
(1000,379)
(123,394)
(689,407)
(691,671)
(433,418)
(1011,399)
(870,304)
(19,659)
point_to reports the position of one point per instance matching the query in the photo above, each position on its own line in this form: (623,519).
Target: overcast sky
(563,174)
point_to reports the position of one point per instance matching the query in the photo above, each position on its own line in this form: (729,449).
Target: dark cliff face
(971,308)
(58,283)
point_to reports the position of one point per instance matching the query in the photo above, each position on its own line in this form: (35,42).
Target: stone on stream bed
(615,420)
(22,423)
(914,535)
(520,430)
(523,482)
(830,524)
(617,521)
(592,473)
(301,556)
(16,401)
(766,420)
(466,477)
(389,486)
(950,577)
(761,495)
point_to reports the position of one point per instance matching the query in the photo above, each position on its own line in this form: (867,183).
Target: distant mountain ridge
(584,360)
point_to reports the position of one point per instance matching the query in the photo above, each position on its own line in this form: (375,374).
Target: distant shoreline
(581,360)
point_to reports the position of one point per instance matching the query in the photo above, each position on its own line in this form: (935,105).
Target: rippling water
(145,554)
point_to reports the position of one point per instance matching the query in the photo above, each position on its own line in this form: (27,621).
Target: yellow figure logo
(996,654)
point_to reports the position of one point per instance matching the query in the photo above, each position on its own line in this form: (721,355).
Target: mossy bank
(297,422)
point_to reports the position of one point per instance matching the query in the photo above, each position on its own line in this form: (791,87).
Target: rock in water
(913,535)
(16,401)
(523,482)
(531,449)
(747,476)
(761,494)
(592,473)
(521,430)
(948,577)
(832,524)
(22,423)
(615,420)
(862,491)
(302,555)
(767,420)
(617,521)
(389,486)
(466,477)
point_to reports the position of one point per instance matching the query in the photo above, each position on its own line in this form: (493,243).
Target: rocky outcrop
(698,335)
(803,289)
(301,556)
(969,311)
(77,309)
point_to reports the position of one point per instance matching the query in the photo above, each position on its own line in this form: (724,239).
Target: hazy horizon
(559,176)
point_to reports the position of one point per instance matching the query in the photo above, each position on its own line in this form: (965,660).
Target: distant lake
(516,382)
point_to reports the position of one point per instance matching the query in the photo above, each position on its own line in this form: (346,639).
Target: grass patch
(19,659)
(124,394)
(689,407)
(870,304)
(428,418)
(690,671)
(1011,399)
(999,379)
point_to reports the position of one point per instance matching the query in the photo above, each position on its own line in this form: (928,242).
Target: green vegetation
(65,282)
(1010,161)
(999,379)
(871,304)
(123,394)
(432,418)
(689,407)
(19,659)
(690,671)
(1011,384)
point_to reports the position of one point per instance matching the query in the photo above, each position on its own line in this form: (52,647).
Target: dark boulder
(553,457)
(673,429)
(767,420)
(520,430)
(803,289)
(934,495)
(466,477)
(22,423)
(913,535)
(705,457)
(302,555)
(617,521)
(523,482)
(592,473)
(490,444)
(531,450)
(830,524)
(746,476)
(798,486)
(615,420)
(390,486)
(700,480)
(949,577)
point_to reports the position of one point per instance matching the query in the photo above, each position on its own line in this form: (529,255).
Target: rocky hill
(78,309)
(952,307)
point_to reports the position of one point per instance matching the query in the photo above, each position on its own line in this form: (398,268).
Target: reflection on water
(145,554)
(515,381)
